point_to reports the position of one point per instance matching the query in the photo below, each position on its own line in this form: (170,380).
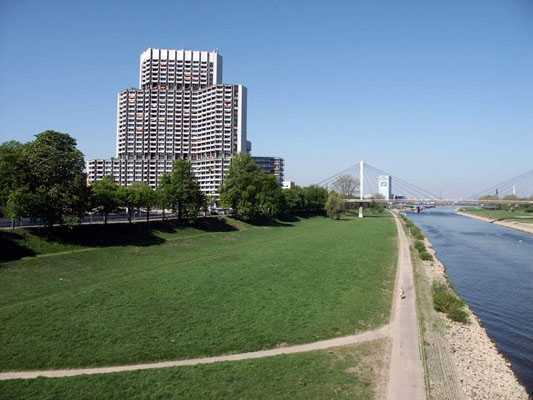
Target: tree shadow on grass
(14,245)
(11,247)
(270,222)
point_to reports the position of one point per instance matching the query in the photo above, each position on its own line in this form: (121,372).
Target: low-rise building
(272,165)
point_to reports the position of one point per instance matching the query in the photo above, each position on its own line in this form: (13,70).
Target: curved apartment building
(181,110)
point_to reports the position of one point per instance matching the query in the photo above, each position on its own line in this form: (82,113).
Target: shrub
(425,256)
(458,315)
(420,246)
(445,301)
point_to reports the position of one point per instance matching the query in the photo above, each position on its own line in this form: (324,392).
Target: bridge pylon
(361,187)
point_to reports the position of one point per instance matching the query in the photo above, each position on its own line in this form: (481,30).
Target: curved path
(301,348)
(406,379)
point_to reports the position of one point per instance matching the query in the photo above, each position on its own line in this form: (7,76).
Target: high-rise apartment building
(181,110)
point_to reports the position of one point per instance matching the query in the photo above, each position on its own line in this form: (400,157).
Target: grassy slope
(344,373)
(197,295)
(501,214)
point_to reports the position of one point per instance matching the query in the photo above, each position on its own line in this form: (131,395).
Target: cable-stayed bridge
(519,186)
(375,184)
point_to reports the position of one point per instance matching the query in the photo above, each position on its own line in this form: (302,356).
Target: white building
(385,186)
(288,185)
(182,110)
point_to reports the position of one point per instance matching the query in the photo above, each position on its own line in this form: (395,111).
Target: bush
(420,246)
(458,315)
(334,205)
(425,256)
(445,301)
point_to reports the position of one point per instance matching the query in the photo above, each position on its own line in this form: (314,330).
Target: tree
(81,196)
(181,191)
(105,196)
(163,196)
(346,185)
(511,197)
(270,199)
(315,199)
(19,204)
(11,167)
(334,205)
(294,200)
(250,192)
(126,199)
(49,178)
(143,196)
(377,206)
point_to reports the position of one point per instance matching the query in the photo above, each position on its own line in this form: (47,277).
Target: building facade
(385,186)
(272,165)
(181,110)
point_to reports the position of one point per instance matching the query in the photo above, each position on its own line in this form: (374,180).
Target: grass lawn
(168,293)
(343,373)
(519,215)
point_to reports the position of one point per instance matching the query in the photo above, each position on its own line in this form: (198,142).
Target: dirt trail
(321,345)
(406,379)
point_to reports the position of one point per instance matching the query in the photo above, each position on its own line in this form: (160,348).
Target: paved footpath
(406,378)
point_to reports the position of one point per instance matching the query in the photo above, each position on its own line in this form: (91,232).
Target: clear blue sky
(438,93)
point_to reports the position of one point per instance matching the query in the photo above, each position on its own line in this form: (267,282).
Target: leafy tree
(126,199)
(19,204)
(106,196)
(511,197)
(182,192)
(377,206)
(11,167)
(294,200)
(334,205)
(346,185)
(51,176)
(270,199)
(143,196)
(250,192)
(81,197)
(315,199)
(163,196)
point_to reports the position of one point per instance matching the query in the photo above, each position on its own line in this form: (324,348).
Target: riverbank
(461,360)
(521,226)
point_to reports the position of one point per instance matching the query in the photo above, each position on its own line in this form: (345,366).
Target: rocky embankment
(483,372)
(521,226)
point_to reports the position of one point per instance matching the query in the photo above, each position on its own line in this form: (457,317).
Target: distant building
(288,185)
(181,110)
(385,186)
(272,165)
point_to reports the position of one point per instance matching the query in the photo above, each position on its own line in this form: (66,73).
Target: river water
(491,267)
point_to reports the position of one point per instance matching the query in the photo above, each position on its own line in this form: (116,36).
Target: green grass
(344,373)
(446,301)
(520,214)
(194,292)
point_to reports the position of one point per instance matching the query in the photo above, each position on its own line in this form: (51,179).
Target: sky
(437,93)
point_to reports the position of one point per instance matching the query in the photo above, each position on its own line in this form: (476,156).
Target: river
(491,267)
